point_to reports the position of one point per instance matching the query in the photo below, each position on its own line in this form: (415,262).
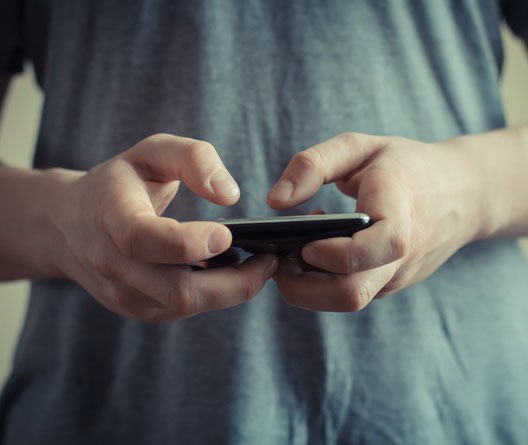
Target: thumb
(323,163)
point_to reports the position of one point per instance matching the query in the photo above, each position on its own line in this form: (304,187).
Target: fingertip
(280,194)
(224,187)
(272,203)
(219,239)
(277,204)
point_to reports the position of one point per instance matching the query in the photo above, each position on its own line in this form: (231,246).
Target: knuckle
(401,280)
(103,266)
(355,139)
(182,300)
(248,288)
(198,150)
(356,297)
(128,241)
(117,295)
(309,159)
(352,262)
(158,138)
(171,296)
(399,243)
(348,138)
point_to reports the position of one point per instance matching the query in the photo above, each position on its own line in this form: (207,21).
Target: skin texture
(427,201)
(103,229)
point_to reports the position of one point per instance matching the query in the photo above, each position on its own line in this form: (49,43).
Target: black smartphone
(282,235)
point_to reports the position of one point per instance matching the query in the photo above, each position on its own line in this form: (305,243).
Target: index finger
(166,157)
(321,164)
(127,211)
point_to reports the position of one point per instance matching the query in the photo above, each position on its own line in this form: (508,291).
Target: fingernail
(282,190)
(216,242)
(272,267)
(224,185)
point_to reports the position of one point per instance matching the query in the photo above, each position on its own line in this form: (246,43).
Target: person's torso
(441,362)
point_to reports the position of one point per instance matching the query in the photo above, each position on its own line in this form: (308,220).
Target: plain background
(18,131)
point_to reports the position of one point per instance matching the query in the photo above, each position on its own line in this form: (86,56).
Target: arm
(427,201)
(501,163)
(26,238)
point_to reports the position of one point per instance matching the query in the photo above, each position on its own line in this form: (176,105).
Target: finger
(387,201)
(129,302)
(321,164)
(161,194)
(165,157)
(131,221)
(119,298)
(129,213)
(110,290)
(184,291)
(320,291)
(147,237)
(165,241)
(380,244)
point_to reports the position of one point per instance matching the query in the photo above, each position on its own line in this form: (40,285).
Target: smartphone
(282,235)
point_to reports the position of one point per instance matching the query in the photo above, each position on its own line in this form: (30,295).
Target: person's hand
(113,242)
(424,201)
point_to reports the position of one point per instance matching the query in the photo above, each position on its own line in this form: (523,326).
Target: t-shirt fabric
(442,362)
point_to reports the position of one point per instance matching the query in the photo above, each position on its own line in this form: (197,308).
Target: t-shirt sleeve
(12,45)
(515,12)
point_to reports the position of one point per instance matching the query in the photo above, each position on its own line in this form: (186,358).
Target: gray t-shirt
(442,362)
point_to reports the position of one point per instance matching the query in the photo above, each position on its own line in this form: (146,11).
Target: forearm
(500,160)
(27,235)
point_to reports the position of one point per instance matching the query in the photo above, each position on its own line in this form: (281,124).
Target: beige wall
(18,129)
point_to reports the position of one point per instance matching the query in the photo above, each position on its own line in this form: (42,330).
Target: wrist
(30,244)
(489,158)
(57,183)
(471,185)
